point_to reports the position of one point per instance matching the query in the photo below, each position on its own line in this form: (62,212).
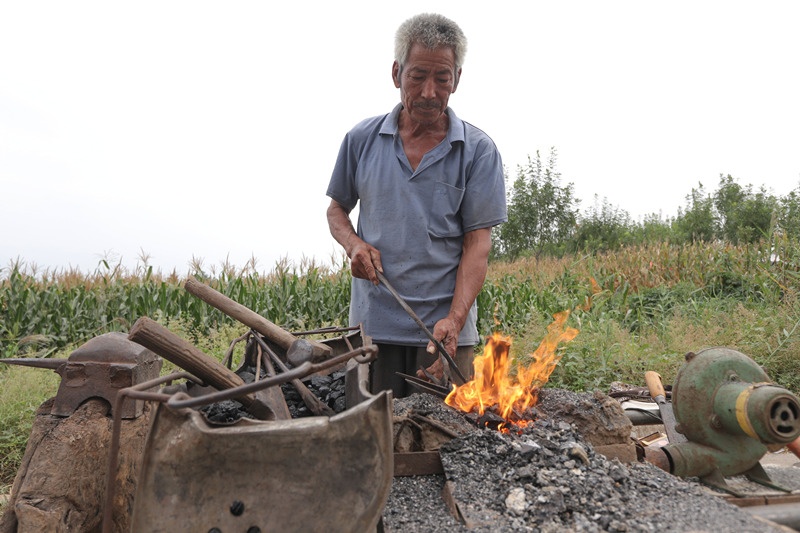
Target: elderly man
(429,187)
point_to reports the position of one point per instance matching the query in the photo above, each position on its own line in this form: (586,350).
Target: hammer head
(300,352)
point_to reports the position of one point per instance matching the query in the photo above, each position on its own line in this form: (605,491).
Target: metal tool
(426,386)
(314,404)
(656,387)
(297,350)
(170,346)
(99,368)
(439,346)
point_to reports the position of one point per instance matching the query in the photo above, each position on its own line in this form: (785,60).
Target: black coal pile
(328,388)
(548,478)
(224,412)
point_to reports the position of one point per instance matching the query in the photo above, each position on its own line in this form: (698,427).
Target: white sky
(209,129)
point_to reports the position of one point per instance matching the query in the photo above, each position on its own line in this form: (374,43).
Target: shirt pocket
(444,217)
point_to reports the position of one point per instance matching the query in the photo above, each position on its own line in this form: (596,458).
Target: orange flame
(493,385)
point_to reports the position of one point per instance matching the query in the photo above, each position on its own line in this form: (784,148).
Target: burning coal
(509,394)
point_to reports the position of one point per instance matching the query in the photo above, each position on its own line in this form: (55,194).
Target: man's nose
(429,88)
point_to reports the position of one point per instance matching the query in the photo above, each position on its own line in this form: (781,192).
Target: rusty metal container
(311,474)
(320,473)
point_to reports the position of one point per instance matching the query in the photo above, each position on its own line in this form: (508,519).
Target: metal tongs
(455,372)
(426,386)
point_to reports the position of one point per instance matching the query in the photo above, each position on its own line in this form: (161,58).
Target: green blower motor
(731,415)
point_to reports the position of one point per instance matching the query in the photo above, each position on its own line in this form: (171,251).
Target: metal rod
(317,406)
(138,392)
(422,325)
(364,354)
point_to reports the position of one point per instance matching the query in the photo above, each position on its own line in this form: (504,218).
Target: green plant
(541,212)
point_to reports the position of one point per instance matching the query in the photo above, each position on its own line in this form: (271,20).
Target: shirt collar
(455,131)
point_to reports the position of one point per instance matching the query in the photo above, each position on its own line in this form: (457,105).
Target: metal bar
(137,392)
(329,329)
(363,354)
(425,386)
(422,325)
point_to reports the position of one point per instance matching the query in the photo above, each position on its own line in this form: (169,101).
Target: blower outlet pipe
(762,411)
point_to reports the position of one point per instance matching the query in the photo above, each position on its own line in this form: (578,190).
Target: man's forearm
(341,227)
(471,273)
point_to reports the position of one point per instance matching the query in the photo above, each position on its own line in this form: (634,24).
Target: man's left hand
(446,331)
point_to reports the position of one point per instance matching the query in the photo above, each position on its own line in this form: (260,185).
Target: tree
(541,213)
(745,216)
(789,214)
(727,200)
(698,222)
(653,228)
(604,227)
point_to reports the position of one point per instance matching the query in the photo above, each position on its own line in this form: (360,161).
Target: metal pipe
(785,514)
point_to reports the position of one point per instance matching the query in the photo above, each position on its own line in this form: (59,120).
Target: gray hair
(432,31)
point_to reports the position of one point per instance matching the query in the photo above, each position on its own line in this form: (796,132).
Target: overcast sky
(191,129)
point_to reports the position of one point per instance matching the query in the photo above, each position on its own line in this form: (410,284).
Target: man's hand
(446,331)
(436,370)
(365,259)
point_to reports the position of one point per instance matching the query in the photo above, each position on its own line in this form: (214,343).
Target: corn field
(645,304)
(637,309)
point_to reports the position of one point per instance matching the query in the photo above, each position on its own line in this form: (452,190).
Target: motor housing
(731,414)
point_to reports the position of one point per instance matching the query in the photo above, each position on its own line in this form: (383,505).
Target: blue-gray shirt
(416,219)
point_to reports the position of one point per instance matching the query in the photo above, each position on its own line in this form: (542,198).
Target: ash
(548,479)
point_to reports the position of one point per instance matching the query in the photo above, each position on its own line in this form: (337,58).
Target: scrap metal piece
(267,474)
(417,463)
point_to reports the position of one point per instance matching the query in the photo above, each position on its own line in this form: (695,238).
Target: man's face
(426,82)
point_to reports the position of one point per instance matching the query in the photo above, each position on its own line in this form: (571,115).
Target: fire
(493,385)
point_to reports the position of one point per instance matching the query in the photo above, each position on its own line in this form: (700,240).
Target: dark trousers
(393,358)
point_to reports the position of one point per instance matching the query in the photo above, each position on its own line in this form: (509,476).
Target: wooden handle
(250,318)
(170,346)
(654,384)
(246,316)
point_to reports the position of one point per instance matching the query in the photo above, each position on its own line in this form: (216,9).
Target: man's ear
(396,74)
(458,78)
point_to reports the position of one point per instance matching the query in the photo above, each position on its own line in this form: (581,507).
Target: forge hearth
(549,478)
(423,423)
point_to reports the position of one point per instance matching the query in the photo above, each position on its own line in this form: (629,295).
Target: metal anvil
(98,369)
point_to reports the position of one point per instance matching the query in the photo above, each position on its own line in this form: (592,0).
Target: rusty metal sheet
(314,474)
(417,464)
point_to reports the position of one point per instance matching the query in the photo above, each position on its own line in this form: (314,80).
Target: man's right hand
(365,259)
